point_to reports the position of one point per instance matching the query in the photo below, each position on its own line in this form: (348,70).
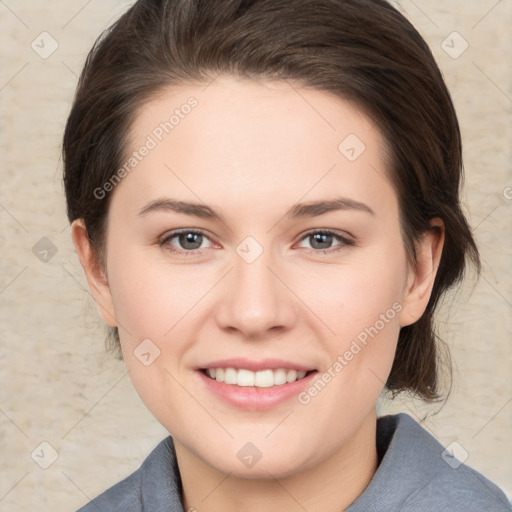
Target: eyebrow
(311,209)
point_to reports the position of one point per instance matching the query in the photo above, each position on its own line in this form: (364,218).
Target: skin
(252,150)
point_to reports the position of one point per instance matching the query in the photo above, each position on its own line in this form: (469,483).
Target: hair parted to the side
(363,51)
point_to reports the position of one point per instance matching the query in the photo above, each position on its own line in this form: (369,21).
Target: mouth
(255,385)
(244,377)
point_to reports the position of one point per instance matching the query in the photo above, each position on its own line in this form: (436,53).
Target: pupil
(322,239)
(190,240)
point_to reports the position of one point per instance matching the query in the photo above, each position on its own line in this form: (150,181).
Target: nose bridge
(256,300)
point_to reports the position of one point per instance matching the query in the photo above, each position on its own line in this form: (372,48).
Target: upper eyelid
(172,234)
(342,234)
(343,237)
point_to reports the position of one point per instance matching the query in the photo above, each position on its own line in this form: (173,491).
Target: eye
(322,241)
(189,241)
(185,241)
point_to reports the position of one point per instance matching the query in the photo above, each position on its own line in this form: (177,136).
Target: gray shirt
(414,475)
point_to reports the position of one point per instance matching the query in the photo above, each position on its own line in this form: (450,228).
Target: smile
(260,379)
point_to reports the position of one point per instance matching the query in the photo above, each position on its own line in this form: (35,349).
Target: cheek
(360,303)
(150,299)
(154,308)
(153,300)
(350,298)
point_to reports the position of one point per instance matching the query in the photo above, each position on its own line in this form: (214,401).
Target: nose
(255,300)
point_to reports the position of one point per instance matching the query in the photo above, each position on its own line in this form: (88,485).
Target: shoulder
(417,474)
(123,496)
(451,484)
(154,487)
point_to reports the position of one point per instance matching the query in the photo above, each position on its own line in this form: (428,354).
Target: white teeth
(279,377)
(230,376)
(264,379)
(245,378)
(291,376)
(260,379)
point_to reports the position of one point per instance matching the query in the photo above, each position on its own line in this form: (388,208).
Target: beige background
(57,384)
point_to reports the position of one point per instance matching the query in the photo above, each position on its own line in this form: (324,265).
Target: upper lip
(255,366)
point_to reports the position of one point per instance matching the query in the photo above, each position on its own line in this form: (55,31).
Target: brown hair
(363,51)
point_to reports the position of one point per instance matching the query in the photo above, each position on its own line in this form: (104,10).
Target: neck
(330,486)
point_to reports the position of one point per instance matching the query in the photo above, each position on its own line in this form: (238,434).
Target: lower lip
(254,398)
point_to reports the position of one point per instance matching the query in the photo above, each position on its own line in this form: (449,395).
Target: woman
(264,196)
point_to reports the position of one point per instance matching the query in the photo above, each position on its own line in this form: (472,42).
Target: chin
(257,460)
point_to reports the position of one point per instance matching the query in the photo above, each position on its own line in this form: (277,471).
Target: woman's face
(290,261)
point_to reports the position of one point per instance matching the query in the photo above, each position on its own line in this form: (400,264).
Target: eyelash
(344,241)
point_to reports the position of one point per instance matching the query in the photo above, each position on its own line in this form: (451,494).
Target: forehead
(254,141)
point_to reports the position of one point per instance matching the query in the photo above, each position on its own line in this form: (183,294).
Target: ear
(96,276)
(420,279)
